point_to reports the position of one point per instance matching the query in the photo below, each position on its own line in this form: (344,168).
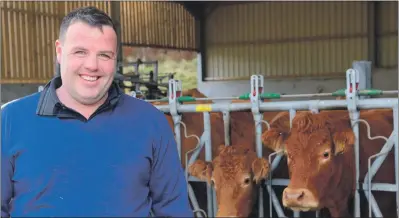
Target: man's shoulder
(25,103)
(145,110)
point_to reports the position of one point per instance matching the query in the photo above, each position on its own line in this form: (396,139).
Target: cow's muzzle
(300,199)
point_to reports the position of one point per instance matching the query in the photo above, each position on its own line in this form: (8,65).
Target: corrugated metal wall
(388,35)
(29,31)
(292,39)
(158,24)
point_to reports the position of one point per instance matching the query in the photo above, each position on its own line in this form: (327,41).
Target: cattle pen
(354,102)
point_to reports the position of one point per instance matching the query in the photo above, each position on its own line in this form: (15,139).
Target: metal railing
(352,103)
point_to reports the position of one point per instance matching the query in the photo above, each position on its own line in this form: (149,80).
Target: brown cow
(320,156)
(236,174)
(242,137)
(194,124)
(242,134)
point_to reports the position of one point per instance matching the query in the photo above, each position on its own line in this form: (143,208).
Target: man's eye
(105,57)
(80,53)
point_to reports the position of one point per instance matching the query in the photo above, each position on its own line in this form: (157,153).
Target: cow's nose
(294,194)
(299,198)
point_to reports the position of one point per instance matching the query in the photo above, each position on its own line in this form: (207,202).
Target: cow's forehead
(228,167)
(299,140)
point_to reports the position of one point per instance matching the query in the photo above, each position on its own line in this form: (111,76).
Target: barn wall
(29,31)
(299,47)
(157,24)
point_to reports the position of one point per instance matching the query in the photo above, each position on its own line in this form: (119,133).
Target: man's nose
(91,62)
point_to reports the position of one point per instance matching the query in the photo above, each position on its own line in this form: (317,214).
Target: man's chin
(90,99)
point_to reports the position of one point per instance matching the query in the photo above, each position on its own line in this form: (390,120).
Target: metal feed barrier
(353,103)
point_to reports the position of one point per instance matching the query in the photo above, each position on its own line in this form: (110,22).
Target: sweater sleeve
(168,184)
(6,166)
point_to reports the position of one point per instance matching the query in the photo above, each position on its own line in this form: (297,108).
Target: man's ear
(58,50)
(260,169)
(202,170)
(342,140)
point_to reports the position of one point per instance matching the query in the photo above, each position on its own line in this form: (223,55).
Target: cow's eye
(326,154)
(247,181)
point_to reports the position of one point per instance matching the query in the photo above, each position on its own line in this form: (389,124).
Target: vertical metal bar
(396,138)
(292,115)
(276,203)
(374,207)
(273,201)
(176,121)
(208,157)
(255,90)
(351,97)
(226,122)
(258,134)
(194,200)
(363,69)
(175,88)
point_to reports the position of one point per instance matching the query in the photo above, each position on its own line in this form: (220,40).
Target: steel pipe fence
(353,103)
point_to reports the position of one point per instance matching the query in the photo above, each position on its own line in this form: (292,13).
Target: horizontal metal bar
(278,182)
(194,179)
(376,103)
(381,187)
(374,186)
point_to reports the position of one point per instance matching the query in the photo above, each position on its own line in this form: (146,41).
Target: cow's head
(315,148)
(235,173)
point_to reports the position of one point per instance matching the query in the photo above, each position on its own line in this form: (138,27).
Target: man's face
(88,60)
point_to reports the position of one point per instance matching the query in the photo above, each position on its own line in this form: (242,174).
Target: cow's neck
(341,185)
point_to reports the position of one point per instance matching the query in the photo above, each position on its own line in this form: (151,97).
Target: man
(83,148)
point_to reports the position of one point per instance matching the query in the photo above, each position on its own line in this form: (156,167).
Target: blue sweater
(122,162)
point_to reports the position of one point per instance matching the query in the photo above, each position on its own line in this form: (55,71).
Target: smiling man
(83,148)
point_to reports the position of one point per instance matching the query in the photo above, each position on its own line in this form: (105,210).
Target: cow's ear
(342,140)
(260,169)
(274,139)
(202,170)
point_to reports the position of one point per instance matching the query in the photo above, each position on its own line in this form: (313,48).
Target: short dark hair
(89,15)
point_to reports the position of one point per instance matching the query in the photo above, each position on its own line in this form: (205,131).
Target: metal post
(363,68)
(351,98)
(175,88)
(226,122)
(256,90)
(208,158)
(174,94)
(292,115)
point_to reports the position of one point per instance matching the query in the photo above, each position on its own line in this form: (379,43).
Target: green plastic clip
(186,99)
(270,95)
(340,92)
(244,96)
(370,92)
